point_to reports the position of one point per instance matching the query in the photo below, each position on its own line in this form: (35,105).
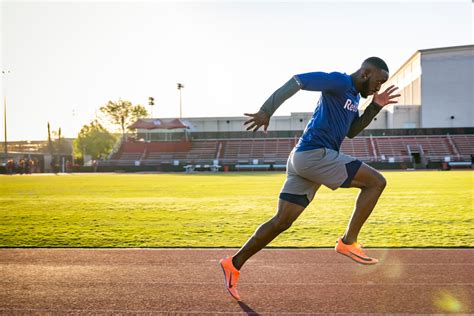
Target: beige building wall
(448,87)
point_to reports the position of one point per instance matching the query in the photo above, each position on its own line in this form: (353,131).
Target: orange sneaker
(354,252)
(231,275)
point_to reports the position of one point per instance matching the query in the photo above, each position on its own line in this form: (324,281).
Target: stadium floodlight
(151,101)
(180,86)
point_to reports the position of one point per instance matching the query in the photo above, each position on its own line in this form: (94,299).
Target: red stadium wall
(132,147)
(169,146)
(157,147)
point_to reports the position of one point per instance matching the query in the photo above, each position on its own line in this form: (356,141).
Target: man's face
(374,79)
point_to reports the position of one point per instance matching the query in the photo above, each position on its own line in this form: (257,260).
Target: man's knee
(374,179)
(281,224)
(383,182)
(379,182)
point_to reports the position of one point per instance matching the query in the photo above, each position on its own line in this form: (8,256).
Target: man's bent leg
(372,184)
(287,213)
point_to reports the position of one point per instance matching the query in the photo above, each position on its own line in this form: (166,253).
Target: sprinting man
(316,159)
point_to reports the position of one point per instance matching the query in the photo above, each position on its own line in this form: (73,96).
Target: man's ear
(366,73)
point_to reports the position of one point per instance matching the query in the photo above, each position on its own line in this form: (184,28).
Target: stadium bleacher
(253,153)
(257,151)
(464,144)
(360,147)
(433,148)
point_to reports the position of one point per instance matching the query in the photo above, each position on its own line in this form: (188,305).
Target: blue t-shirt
(337,108)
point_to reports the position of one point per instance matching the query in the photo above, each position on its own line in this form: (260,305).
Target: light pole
(180,86)
(4,73)
(151,102)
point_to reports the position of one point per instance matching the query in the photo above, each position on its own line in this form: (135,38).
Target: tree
(94,140)
(123,113)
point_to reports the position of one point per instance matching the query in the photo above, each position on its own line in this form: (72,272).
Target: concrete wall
(398,116)
(294,122)
(404,116)
(447,88)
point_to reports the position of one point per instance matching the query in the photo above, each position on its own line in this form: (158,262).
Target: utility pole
(180,86)
(4,73)
(5,124)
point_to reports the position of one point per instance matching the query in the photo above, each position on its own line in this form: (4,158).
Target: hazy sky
(69,58)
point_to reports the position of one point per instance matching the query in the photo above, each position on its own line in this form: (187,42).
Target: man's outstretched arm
(281,95)
(262,117)
(311,81)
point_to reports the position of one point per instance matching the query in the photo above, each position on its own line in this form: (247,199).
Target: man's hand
(257,120)
(386,97)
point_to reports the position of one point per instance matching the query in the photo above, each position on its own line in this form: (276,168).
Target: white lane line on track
(254,265)
(182,312)
(369,283)
(233,249)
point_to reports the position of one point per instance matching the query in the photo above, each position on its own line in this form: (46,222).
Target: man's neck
(356,80)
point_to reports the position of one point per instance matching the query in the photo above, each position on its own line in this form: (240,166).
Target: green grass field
(418,209)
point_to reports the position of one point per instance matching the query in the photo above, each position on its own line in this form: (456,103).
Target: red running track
(275,281)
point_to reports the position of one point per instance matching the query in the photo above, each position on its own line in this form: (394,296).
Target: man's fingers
(388,89)
(394,91)
(251,126)
(391,90)
(256,121)
(249,121)
(394,96)
(256,128)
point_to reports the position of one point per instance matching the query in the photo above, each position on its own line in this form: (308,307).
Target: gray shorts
(307,170)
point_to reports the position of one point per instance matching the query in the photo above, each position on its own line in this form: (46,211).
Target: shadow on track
(247,309)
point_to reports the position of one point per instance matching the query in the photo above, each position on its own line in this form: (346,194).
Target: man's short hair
(377,62)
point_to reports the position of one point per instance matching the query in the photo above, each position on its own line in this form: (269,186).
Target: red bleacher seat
(277,150)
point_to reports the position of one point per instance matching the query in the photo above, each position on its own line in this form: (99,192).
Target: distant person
(54,166)
(37,167)
(27,166)
(22,166)
(68,166)
(32,166)
(316,159)
(10,166)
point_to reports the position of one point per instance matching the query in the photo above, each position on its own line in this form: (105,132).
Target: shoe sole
(225,282)
(365,263)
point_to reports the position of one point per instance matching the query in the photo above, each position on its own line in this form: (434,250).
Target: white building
(437,90)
